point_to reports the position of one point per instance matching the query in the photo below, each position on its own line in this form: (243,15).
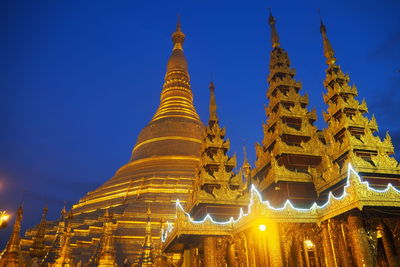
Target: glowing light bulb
(309,244)
(262,227)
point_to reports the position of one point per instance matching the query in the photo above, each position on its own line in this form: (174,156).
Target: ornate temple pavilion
(316,197)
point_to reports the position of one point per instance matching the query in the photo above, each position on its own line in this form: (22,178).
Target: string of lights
(287,205)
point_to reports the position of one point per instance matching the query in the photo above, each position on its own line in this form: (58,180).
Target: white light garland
(288,204)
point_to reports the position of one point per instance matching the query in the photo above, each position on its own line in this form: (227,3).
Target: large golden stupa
(161,170)
(167,149)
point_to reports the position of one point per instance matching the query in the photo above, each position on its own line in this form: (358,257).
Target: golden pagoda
(291,145)
(217,189)
(147,256)
(38,246)
(350,134)
(11,255)
(65,258)
(107,248)
(316,197)
(161,170)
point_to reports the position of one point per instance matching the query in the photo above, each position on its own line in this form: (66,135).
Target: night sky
(80,79)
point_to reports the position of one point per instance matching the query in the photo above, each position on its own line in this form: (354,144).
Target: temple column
(231,254)
(317,256)
(319,250)
(261,253)
(362,253)
(327,245)
(306,256)
(250,249)
(344,257)
(388,245)
(297,248)
(193,257)
(274,245)
(210,259)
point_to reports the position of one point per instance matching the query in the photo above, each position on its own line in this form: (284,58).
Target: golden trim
(166,138)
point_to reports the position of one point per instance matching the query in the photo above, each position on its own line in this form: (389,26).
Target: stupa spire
(215,180)
(38,248)
(213,104)
(146,255)
(350,133)
(328,50)
(274,32)
(178,37)
(65,258)
(176,96)
(289,133)
(11,255)
(107,252)
(246,165)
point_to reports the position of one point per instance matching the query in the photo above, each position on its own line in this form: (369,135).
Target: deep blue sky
(79,80)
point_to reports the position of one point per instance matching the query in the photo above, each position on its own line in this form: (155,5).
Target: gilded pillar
(362,253)
(274,245)
(388,245)
(317,255)
(343,253)
(231,254)
(210,259)
(306,256)
(327,245)
(261,253)
(194,257)
(251,249)
(297,249)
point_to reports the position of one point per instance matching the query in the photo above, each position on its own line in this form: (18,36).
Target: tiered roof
(290,144)
(350,135)
(215,182)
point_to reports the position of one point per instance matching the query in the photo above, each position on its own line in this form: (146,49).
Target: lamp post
(3,219)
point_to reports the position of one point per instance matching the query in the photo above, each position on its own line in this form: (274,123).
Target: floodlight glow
(262,227)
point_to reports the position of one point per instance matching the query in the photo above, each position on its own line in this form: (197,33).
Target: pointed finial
(107,215)
(244,154)
(64,210)
(328,50)
(178,37)
(178,23)
(213,103)
(246,165)
(45,210)
(274,33)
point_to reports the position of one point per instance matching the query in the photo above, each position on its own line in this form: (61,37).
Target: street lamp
(3,219)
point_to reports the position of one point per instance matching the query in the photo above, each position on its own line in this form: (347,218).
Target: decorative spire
(176,96)
(328,50)
(274,33)
(65,258)
(146,255)
(215,181)
(288,131)
(350,133)
(107,252)
(64,211)
(11,255)
(213,104)
(246,165)
(178,37)
(38,248)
